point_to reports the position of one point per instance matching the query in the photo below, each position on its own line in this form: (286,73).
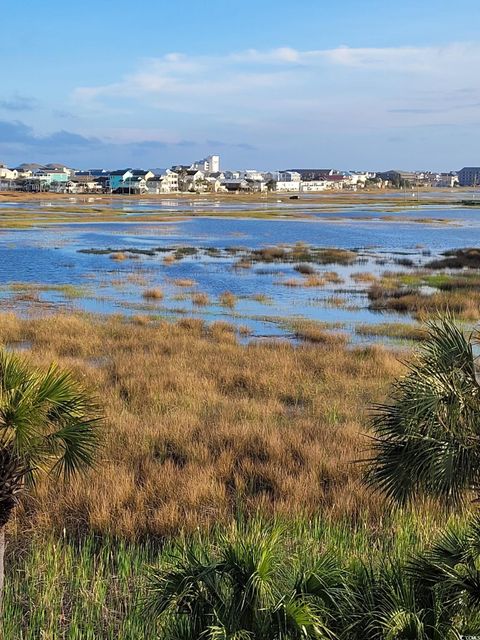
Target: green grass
(94,588)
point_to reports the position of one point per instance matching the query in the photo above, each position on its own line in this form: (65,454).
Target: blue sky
(265,84)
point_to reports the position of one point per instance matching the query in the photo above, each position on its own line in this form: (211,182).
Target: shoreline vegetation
(213,437)
(204,437)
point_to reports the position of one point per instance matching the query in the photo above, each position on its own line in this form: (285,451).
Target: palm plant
(385,603)
(427,438)
(48,424)
(451,569)
(244,588)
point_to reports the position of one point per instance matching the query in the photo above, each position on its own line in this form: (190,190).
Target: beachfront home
(314,185)
(447,180)
(7,174)
(117,178)
(60,167)
(51,175)
(235,185)
(84,183)
(164,182)
(399,178)
(287,185)
(289,176)
(191,180)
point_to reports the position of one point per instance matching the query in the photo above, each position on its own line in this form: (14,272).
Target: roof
(49,170)
(119,172)
(139,172)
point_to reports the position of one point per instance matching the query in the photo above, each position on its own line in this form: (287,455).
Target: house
(8,174)
(214,184)
(469,176)
(233,175)
(252,174)
(314,185)
(287,185)
(117,178)
(60,167)
(315,174)
(51,175)
(140,173)
(164,182)
(84,184)
(191,179)
(399,178)
(289,176)
(235,185)
(256,185)
(96,173)
(447,180)
(219,175)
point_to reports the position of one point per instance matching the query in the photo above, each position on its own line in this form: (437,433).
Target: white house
(252,174)
(314,185)
(287,185)
(447,180)
(8,174)
(165,182)
(289,176)
(191,179)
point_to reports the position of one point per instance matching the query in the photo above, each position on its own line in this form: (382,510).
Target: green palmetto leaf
(47,419)
(427,438)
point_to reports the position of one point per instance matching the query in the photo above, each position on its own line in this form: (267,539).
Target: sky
(267,84)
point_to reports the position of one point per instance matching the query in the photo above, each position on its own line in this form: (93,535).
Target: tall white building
(210,164)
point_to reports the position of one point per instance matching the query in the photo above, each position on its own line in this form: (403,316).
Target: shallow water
(50,256)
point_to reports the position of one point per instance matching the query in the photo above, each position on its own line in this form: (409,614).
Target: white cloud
(345,87)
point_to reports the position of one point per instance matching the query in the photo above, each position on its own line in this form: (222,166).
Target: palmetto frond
(48,422)
(241,588)
(47,417)
(427,438)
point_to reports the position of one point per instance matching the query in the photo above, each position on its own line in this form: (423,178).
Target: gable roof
(119,172)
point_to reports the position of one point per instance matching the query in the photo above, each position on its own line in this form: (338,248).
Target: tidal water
(48,260)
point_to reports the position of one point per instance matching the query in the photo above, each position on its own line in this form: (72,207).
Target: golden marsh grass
(199,427)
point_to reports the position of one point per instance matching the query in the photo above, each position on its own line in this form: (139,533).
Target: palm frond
(427,438)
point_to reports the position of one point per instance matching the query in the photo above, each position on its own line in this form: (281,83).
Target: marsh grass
(396,330)
(228,299)
(390,293)
(119,256)
(198,425)
(153,294)
(200,299)
(184,282)
(317,332)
